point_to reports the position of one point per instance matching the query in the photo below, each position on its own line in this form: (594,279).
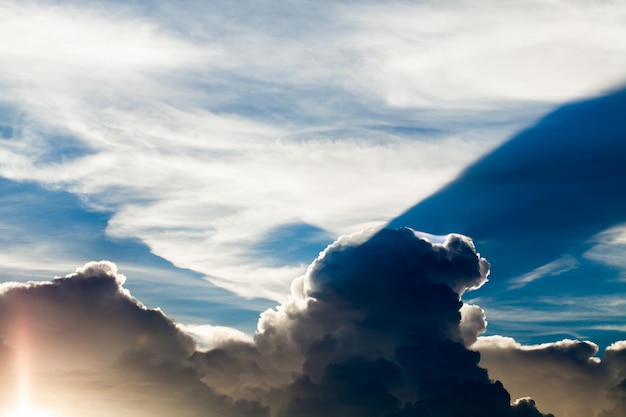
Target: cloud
(235,123)
(473,323)
(564,378)
(212,337)
(556,267)
(375,327)
(83,344)
(182,121)
(609,246)
(472,54)
(449,54)
(91,308)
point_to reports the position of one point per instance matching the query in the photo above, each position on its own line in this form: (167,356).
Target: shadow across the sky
(543,193)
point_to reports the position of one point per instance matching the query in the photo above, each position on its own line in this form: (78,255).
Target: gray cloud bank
(376,327)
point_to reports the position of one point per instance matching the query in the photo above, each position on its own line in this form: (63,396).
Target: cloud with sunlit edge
(378,314)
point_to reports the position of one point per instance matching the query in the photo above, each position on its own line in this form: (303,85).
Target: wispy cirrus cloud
(475,54)
(609,247)
(203,129)
(558,266)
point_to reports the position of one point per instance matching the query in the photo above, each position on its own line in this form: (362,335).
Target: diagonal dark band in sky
(546,191)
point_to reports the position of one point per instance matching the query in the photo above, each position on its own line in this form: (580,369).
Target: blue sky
(547,210)
(211,150)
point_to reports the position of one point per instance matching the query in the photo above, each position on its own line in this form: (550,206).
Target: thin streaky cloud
(609,247)
(205,128)
(558,266)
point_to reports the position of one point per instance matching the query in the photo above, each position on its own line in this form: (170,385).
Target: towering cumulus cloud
(376,327)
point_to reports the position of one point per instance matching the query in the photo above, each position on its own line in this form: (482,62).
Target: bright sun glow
(29,411)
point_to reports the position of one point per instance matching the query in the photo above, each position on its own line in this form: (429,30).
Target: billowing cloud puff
(473,323)
(372,291)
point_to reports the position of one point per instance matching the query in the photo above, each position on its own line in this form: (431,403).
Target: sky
(298,208)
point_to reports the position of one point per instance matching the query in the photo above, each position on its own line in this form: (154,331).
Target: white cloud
(558,266)
(34,260)
(175,113)
(609,247)
(473,323)
(469,53)
(611,327)
(211,337)
(72,37)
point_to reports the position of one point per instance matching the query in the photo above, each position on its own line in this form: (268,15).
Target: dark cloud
(376,327)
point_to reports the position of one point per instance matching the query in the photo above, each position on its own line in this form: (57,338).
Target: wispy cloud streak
(202,129)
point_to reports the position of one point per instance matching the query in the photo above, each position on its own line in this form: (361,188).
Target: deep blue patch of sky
(543,194)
